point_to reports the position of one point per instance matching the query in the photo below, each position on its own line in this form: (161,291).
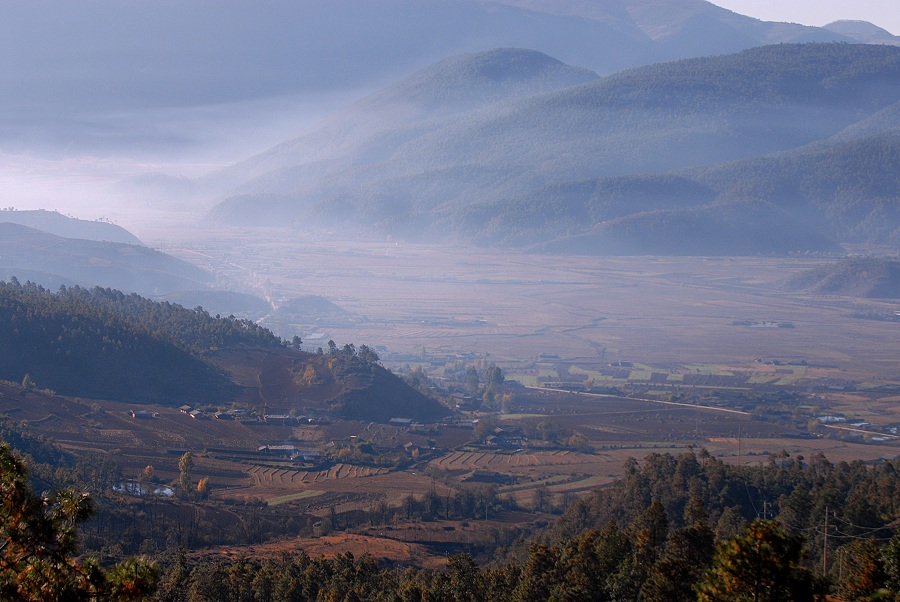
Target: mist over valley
(433,281)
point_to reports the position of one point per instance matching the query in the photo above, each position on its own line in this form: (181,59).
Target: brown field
(381,548)
(665,312)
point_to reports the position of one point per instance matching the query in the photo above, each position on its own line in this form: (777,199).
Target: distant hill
(719,229)
(53,250)
(104,344)
(526,168)
(858,277)
(372,129)
(69,227)
(30,254)
(863,32)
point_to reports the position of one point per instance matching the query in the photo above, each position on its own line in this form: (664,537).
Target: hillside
(68,343)
(56,223)
(372,129)
(515,170)
(341,384)
(49,259)
(719,229)
(858,277)
(845,188)
(104,344)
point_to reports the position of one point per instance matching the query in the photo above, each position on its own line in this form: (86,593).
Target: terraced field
(464,461)
(283,477)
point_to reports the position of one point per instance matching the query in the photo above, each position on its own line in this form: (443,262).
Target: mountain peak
(481,76)
(863,31)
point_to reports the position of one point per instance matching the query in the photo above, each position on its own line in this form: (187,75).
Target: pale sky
(883,13)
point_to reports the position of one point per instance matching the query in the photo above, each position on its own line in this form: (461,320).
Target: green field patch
(592,374)
(720,388)
(283,499)
(555,479)
(587,483)
(657,392)
(709,370)
(675,378)
(868,385)
(520,416)
(527,380)
(640,375)
(761,380)
(550,482)
(788,380)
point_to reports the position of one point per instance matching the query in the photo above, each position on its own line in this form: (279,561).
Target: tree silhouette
(763,565)
(185,466)
(38,537)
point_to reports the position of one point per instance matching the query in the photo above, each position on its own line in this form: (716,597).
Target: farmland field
(662,313)
(616,358)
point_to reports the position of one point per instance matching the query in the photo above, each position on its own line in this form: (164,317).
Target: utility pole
(825,544)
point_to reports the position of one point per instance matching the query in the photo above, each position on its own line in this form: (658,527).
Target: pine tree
(39,536)
(763,565)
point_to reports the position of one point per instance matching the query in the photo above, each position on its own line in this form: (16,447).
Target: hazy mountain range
(580,126)
(67,67)
(51,260)
(247,50)
(784,148)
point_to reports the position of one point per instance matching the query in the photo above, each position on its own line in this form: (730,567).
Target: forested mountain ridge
(105,344)
(309,47)
(76,342)
(692,114)
(373,128)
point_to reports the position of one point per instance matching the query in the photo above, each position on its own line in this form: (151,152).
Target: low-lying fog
(131,165)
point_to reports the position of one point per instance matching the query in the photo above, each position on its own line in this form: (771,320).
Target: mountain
(371,129)
(69,227)
(54,250)
(74,344)
(102,55)
(546,159)
(844,188)
(863,32)
(104,344)
(342,384)
(30,254)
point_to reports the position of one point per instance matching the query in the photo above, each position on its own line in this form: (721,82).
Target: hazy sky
(884,13)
